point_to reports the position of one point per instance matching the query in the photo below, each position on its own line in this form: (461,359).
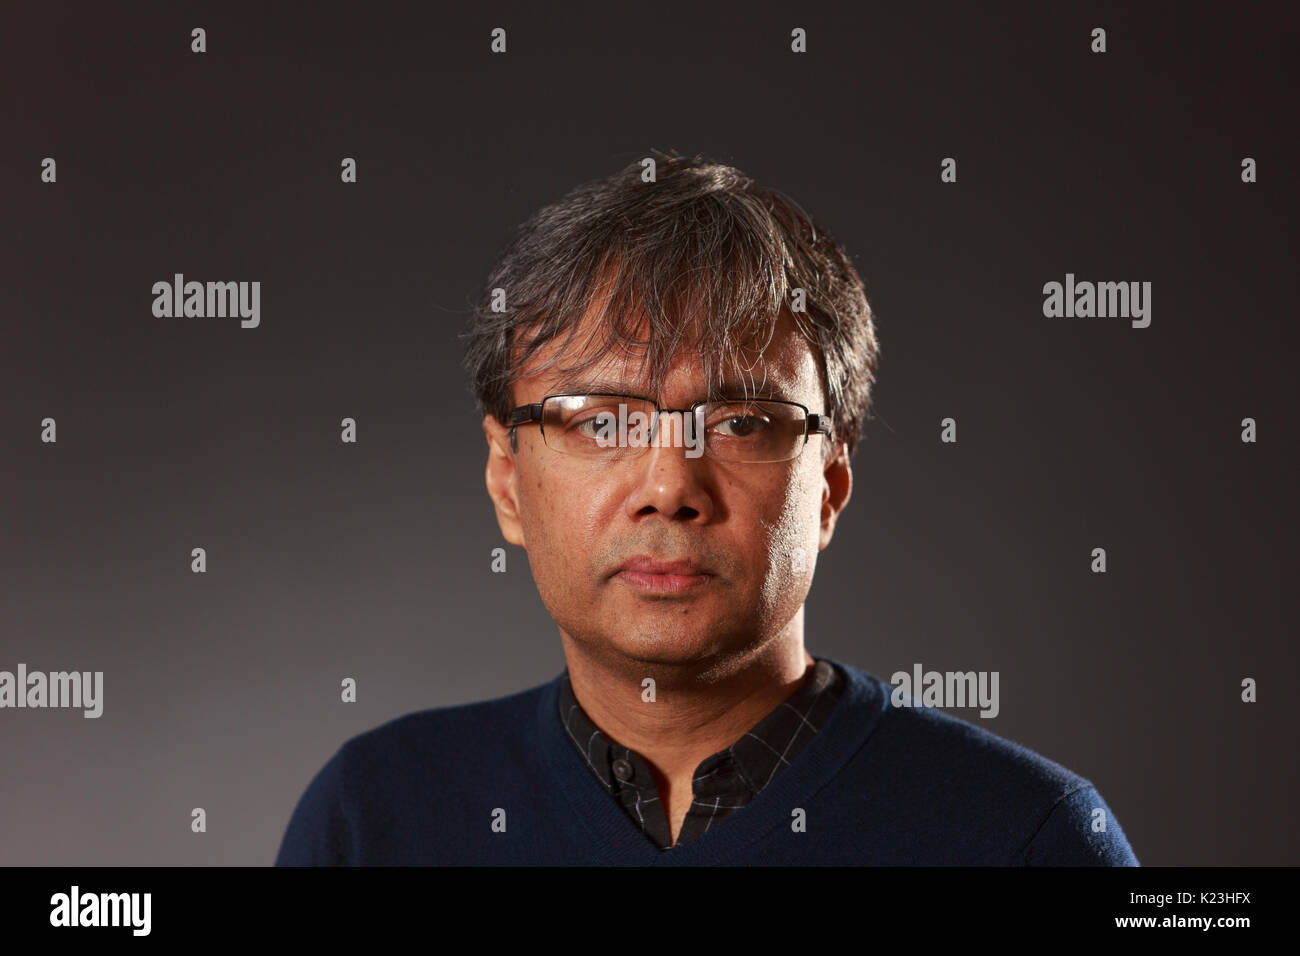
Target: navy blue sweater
(497,782)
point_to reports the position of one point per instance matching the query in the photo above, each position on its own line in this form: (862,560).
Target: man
(674,366)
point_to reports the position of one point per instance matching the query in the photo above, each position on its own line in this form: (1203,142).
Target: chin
(673,648)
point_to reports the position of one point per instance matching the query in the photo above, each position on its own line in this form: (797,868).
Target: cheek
(791,532)
(547,529)
(563,514)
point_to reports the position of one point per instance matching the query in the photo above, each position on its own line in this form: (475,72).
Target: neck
(699,708)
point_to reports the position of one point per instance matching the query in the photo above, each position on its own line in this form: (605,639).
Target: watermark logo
(1102,300)
(636,429)
(198,300)
(102,909)
(946,689)
(83,689)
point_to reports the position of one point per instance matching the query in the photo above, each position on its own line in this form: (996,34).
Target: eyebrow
(731,388)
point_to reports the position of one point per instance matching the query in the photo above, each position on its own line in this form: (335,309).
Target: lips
(657,576)
(646,565)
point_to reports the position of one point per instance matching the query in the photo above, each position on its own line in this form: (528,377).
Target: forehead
(780,365)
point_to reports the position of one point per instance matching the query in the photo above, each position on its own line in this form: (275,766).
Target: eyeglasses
(608,426)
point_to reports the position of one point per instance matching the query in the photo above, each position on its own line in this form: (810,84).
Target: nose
(671,484)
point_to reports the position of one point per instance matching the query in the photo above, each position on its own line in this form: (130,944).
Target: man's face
(746,536)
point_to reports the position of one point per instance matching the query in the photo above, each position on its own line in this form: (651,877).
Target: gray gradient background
(372,561)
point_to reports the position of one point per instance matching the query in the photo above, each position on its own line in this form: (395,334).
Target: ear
(501,476)
(837,485)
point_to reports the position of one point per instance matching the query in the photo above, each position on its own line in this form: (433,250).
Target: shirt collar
(724,781)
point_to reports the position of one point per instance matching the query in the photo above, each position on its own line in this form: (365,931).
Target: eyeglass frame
(814,423)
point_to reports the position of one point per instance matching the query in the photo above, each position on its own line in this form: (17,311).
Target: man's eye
(592,426)
(740,426)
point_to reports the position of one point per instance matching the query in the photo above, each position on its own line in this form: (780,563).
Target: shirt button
(623,769)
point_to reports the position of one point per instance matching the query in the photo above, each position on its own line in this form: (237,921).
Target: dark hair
(702,251)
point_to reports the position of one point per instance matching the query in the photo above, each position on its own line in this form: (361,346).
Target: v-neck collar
(613,837)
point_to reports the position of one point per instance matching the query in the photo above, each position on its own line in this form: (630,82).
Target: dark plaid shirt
(724,782)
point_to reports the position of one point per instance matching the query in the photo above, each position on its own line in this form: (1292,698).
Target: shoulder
(449,733)
(370,800)
(931,744)
(954,777)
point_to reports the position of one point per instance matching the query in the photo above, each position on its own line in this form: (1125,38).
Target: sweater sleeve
(319,832)
(1072,835)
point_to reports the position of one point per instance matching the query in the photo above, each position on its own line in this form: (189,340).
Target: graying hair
(702,258)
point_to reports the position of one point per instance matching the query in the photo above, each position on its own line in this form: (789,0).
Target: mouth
(652,576)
